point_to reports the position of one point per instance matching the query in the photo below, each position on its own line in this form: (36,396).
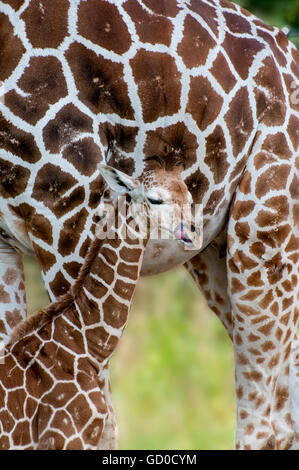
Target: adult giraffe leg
(209,271)
(263,290)
(12,290)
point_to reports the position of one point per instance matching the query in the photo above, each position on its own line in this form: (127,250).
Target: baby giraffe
(51,392)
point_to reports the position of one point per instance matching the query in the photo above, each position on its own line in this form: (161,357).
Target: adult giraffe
(202,83)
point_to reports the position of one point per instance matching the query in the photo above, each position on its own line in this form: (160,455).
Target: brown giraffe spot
(267,328)
(275,268)
(84,248)
(237,171)
(236,285)
(196,43)
(84,155)
(72,339)
(66,367)
(245,184)
(243,414)
(222,73)
(278,54)
(72,268)
(249,429)
(51,183)
(34,386)
(247,310)
(7,421)
(159,84)
(238,339)
(236,23)
(271,108)
(167,8)
(46,22)
(280,211)
(286,303)
(242,230)
(62,421)
(244,260)
(4,295)
(15,400)
(51,440)
(241,52)
(45,258)
(114,314)
(275,237)
(67,125)
(204,102)
(18,142)
(254,375)
(239,120)
(75,444)
(124,289)
(207,14)
(80,411)
(93,432)
(294,188)
(287,285)
(60,395)
(12,48)
(198,185)
(13,318)
(252,338)
(293,130)
(110,256)
(13,179)
(44,83)
(252,295)
(174,145)
(96,288)
(242,209)
(149,27)
(266,300)
(107,273)
(262,158)
(282,395)
(216,154)
(118,135)
(10,276)
(15,4)
(240,392)
(277,144)
(59,285)
(214,201)
(102,24)
(100,82)
(66,204)
(2,328)
(274,178)
(21,434)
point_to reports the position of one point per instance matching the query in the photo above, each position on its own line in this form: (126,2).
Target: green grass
(172,373)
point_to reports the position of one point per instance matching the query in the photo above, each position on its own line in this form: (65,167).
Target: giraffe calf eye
(154,201)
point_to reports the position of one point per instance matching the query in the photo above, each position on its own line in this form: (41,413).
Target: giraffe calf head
(172,223)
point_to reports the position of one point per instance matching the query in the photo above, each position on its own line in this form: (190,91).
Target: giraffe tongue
(180,234)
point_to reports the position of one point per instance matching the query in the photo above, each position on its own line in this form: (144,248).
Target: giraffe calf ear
(117,180)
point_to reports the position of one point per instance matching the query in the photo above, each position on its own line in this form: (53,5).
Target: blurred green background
(172,376)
